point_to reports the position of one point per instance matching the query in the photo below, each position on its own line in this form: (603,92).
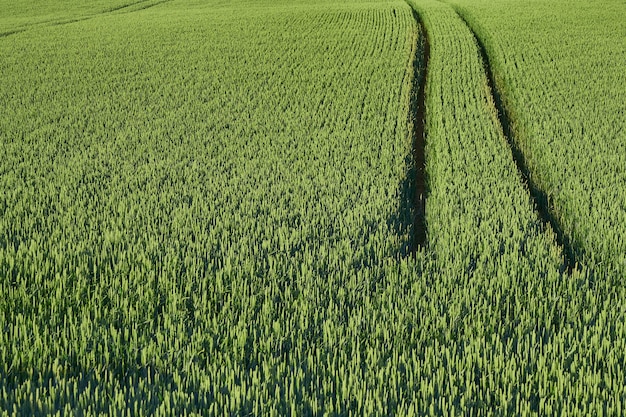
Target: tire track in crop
(538,196)
(141,6)
(124,6)
(111,11)
(417,111)
(11,32)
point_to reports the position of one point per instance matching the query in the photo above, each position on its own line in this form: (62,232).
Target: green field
(216,207)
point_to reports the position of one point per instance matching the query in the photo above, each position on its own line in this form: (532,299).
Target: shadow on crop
(539,197)
(411,222)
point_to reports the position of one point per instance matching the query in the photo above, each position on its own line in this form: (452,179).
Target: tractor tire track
(122,9)
(538,196)
(417,114)
(141,6)
(11,32)
(124,6)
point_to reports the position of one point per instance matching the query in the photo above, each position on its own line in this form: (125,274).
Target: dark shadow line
(52,23)
(67,22)
(123,6)
(539,197)
(417,113)
(11,32)
(147,6)
(132,6)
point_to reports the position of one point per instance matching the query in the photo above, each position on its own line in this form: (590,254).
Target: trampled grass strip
(418,123)
(125,6)
(120,9)
(11,32)
(141,5)
(539,196)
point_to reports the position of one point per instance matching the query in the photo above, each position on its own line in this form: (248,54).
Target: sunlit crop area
(208,208)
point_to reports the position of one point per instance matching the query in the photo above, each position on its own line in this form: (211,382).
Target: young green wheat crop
(206,209)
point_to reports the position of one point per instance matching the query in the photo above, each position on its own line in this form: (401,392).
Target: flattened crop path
(539,197)
(120,9)
(479,211)
(418,121)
